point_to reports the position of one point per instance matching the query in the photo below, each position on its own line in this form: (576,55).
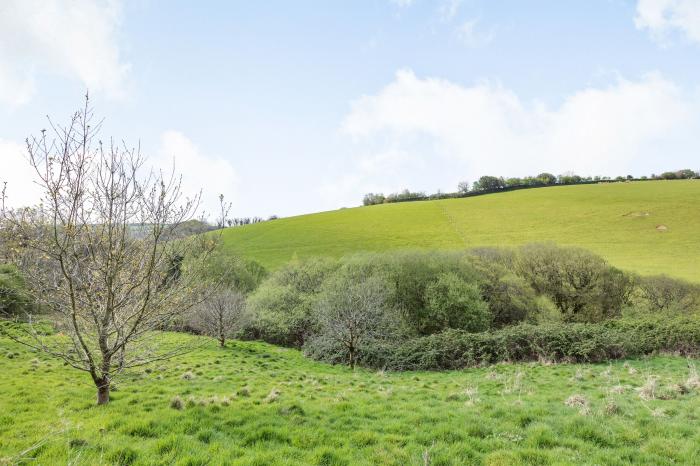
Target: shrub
(352,313)
(281,309)
(510,298)
(564,342)
(662,293)
(582,285)
(406,310)
(14,298)
(411,274)
(453,303)
(234,272)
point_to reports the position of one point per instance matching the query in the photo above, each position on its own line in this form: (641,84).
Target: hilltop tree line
(489,184)
(240,221)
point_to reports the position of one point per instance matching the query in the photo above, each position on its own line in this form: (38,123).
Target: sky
(296,107)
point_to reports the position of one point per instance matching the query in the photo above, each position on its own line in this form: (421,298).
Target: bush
(582,285)
(573,342)
(422,308)
(281,309)
(663,294)
(411,274)
(453,303)
(234,272)
(14,298)
(352,313)
(510,298)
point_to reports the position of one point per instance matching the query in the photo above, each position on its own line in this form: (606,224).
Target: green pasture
(649,227)
(256,404)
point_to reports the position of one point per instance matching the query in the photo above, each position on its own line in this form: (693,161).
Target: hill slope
(648,227)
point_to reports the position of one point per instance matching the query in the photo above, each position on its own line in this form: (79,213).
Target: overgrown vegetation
(547,343)
(14,296)
(438,310)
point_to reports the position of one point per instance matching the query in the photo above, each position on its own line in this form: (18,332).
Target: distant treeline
(240,221)
(492,184)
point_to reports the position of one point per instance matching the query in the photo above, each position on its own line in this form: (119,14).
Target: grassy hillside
(255,404)
(648,227)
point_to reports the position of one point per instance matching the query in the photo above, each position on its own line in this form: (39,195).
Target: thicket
(435,310)
(221,312)
(552,342)
(14,298)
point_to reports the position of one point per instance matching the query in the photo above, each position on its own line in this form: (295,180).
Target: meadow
(648,227)
(255,404)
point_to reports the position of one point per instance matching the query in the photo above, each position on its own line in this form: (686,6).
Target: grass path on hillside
(616,220)
(255,404)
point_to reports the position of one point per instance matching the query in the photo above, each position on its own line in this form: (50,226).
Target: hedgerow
(563,342)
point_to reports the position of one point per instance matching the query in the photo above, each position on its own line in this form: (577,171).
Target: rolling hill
(649,227)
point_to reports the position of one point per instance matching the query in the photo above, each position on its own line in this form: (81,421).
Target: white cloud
(210,175)
(449,8)
(200,172)
(371,172)
(18,174)
(470,35)
(664,17)
(72,38)
(488,129)
(402,3)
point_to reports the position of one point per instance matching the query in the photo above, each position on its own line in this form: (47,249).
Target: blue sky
(294,107)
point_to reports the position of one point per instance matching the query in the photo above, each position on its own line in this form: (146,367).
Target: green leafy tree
(582,285)
(547,178)
(282,307)
(456,304)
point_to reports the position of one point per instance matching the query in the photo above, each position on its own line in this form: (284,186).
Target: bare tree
(352,311)
(97,252)
(662,294)
(220,314)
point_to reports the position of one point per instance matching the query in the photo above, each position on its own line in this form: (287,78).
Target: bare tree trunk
(222,340)
(351,356)
(102,391)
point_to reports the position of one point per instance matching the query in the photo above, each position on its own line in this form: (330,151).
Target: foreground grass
(252,403)
(648,227)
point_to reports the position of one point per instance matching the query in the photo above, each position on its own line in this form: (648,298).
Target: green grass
(617,220)
(326,415)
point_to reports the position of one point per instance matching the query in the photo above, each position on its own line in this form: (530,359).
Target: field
(255,404)
(649,227)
